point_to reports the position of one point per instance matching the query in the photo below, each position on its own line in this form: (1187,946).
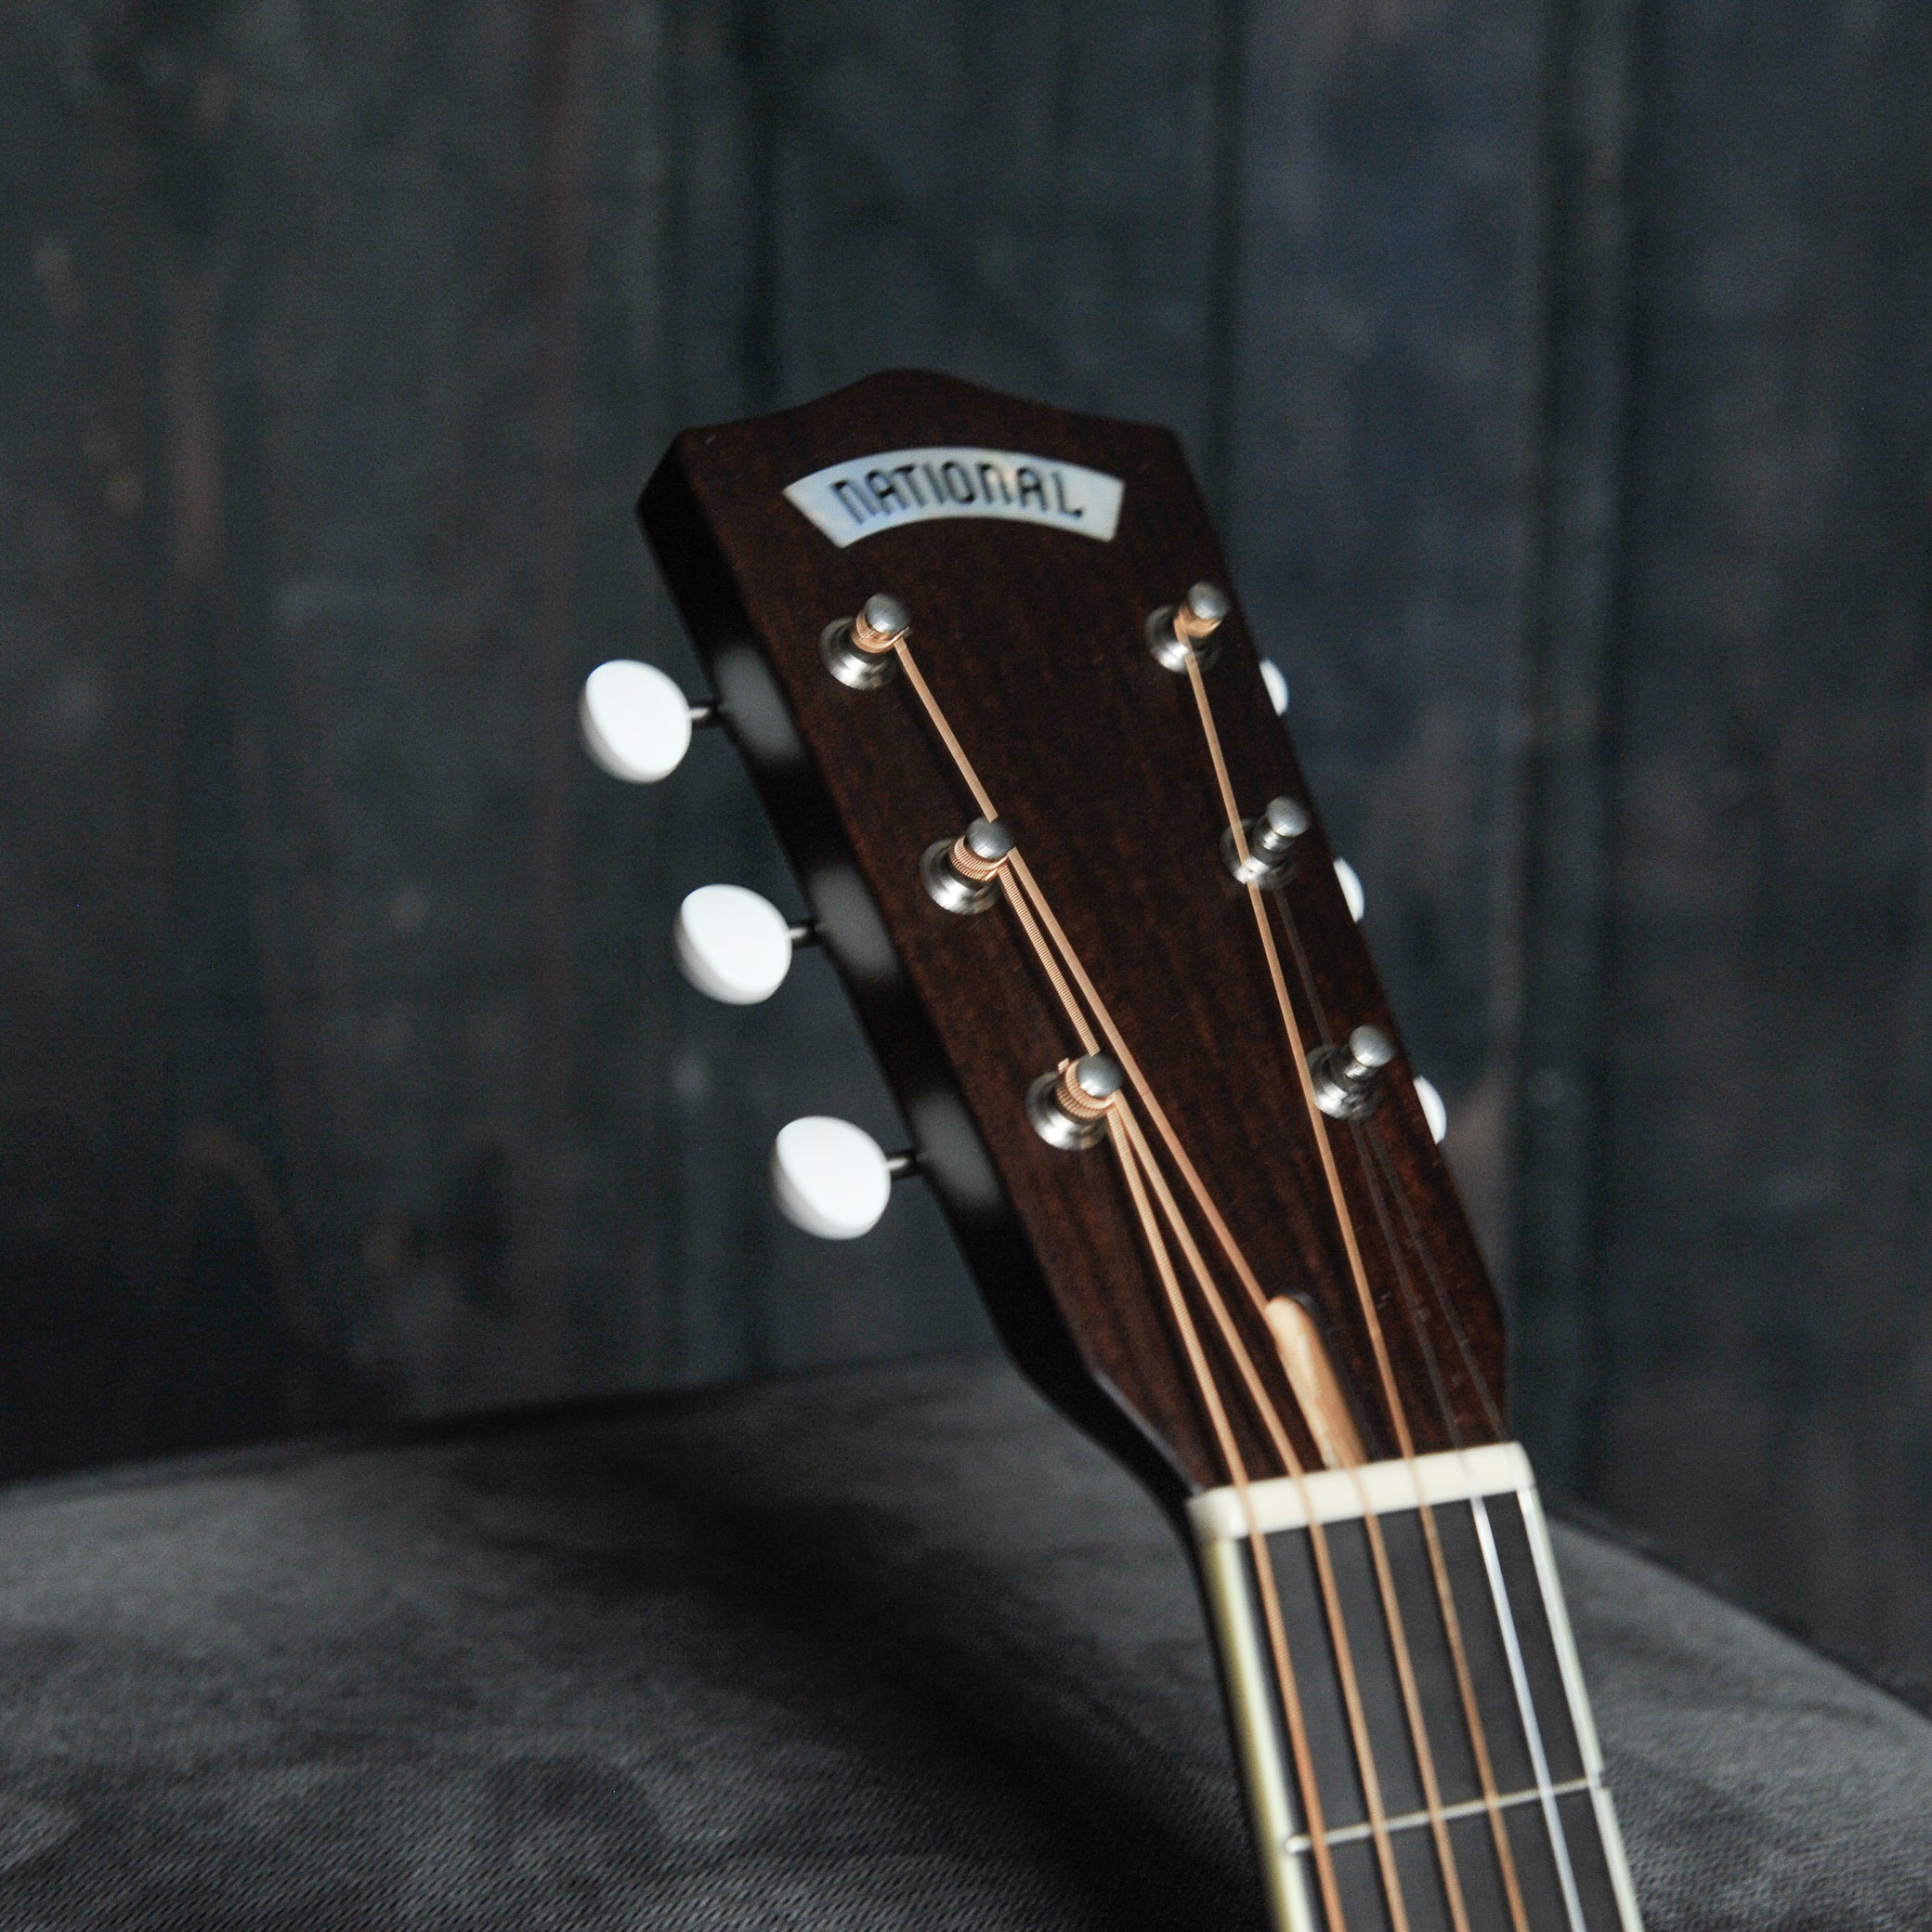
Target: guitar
(1018,745)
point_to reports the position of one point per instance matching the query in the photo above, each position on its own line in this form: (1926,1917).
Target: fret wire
(1526,1707)
(1464,1807)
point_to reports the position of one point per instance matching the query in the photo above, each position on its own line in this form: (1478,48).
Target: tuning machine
(1349,1079)
(1068,1107)
(1271,842)
(963,874)
(1277,683)
(1177,631)
(635,722)
(860,651)
(832,1179)
(734,945)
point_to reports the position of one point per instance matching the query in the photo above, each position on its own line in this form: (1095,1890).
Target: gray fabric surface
(892,1648)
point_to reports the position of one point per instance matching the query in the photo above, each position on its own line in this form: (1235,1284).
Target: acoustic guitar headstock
(978,656)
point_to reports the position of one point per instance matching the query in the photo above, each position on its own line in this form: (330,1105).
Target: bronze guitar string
(1424,1757)
(1559,1847)
(1029,888)
(1044,953)
(1318,1541)
(1372,1139)
(1072,1008)
(1332,1607)
(1445,1305)
(1372,1149)
(1128,1155)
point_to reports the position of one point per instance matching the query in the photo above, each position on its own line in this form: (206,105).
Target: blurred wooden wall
(1560,369)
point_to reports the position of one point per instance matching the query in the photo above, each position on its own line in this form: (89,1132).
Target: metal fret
(1410,1821)
(1549,1787)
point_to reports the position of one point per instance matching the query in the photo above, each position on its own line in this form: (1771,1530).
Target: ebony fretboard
(1518,1668)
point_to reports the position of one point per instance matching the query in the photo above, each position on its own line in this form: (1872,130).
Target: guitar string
(1425,1762)
(1426,1514)
(1405,1672)
(1238,1472)
(1318,1124)
(1333,1611)
(1022,871)
(1500,1590)
(1271,1419)
(1439,1291)
(972,780)
(1445,1599)
(1452,1621)
(1506,1620)
(1345,1221)
(1117,1118)
(1554,1827)
(1028,886)
(1444,1304)
(1434,1810)
(1318,1545)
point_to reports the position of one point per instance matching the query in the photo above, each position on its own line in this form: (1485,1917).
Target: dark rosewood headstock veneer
(1031,634)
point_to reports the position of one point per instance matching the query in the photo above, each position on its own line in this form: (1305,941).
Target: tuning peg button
(635,722)
(830,1178)
(734,945)
(1352,889)
(1278,684)
(1434,1111)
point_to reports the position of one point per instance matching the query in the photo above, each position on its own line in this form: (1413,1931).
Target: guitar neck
(1026,761)
(1411,1604)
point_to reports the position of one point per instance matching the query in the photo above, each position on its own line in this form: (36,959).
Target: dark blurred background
(1559,370)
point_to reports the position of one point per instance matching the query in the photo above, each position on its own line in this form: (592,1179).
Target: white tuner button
(732,945)
(1272,675)
(830,1178)
(1434,1111)
(1350,889)
(635,722)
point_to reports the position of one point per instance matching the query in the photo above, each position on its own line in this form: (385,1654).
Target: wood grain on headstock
(1032,641)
